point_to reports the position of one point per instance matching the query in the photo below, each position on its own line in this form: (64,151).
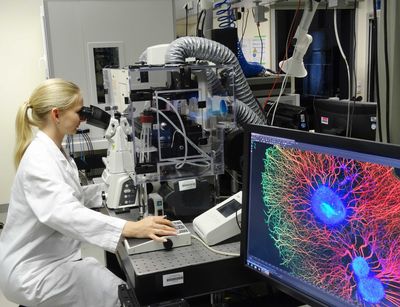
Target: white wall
(21,49)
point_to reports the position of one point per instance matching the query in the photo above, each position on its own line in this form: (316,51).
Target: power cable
(213,249)
(385,34)
(186,19)
(288,43)
(376,73)
(259,35)
(354,87)
(245,26)
(347,68)
(261,42)
(200,20)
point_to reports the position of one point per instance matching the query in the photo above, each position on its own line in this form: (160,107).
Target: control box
(137,246)
(221,222)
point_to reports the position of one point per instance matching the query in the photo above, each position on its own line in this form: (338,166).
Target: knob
(168,244)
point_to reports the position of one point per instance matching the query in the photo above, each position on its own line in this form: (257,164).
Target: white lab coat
(40,244)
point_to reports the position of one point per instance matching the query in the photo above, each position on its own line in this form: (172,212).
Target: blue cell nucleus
(327,206)
(371,289)
(360,267)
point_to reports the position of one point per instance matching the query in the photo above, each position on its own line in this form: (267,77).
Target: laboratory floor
(87,250)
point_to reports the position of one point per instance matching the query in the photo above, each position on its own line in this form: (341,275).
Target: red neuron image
(335,223)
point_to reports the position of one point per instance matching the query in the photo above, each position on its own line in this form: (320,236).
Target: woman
(48,215)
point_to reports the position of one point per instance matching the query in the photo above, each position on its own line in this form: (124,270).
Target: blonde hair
(52,93)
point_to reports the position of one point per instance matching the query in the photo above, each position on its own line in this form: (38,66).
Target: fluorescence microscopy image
(334,222)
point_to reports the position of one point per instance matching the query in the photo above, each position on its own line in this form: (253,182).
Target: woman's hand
(153,227)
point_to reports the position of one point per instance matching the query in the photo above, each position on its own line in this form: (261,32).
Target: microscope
(121,192)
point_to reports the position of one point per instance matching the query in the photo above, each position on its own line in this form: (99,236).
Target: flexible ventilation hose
(205,49)
(244,114)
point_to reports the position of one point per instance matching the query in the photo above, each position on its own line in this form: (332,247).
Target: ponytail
(23,132)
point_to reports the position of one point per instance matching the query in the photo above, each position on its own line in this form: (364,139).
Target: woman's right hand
(153,227)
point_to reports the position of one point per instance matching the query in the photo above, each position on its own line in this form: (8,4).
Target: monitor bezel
(330,141)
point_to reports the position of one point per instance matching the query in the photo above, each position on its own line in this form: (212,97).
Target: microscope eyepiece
(85,113)
(95,116)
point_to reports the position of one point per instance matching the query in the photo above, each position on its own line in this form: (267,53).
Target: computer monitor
(338,116)
(321,216)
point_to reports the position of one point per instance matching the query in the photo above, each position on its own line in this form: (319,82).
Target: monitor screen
(337,117)
(321,216)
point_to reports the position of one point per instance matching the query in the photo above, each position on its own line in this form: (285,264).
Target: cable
(86,143)
(237,220)
(275,104)
(354,73)
(354,51)
(201,19)
(347,67)
(259,35)
(81,143)
(214,250)
(289,40)
(144,155)
(182,125)
(342,53)
(72,145)
(183,133)
(375,58)
(89,143)
(262,44)
(233,177)
(245,26)
(68,144)
(186,19)
(197,11)
(353,105)
(385,34)
(225,16)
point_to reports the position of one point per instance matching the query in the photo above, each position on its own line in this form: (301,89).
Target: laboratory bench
(190,275)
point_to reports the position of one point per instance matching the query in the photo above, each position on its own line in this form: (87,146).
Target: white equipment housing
(119,164)
(156,54)
(137,246)
(157,204)
(221,221)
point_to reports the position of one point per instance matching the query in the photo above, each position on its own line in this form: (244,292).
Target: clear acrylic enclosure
(178,116)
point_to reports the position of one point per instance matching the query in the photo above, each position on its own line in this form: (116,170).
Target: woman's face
(70,119)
